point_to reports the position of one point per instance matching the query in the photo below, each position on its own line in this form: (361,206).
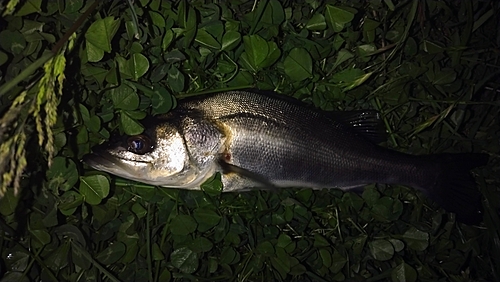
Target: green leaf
(8,202)
(338,262)
(83,136)
(157,19)
(129,124)
(298,64)
(416,239)
(278,15)
(444,76)
(201,245)
(256,51)
(341,15)
(370,195)
(29,7)
(162,101)
(370,25)
(229,256)
(410,48)
(175,79)
(281,262)
(94,124)
(347,76)
(212,265)
(156,252)
(297,270)
(174,56)
(212,186)
(381,250)
(366,50)
(94,54)
(342,56)
(101,32)
(326,257)
(72,6)
(230,40)
(124,97)
(191,27)
(69,201)
(94,188)
(14,276)
(159,72)
(206,39)
(273,55)
(398,244)
(206,219)
(182,225)
(19,261)
(3,58)
(232,238)
(265,248)
(42,236)
(69,231)
(167,39)
(431,47)
(136,47)
(338,17)
(139,210)
(131,251)
(317,22)
(165,275)
(12,41)
(98,74)
(384,208)
(111,254)
(136,114)
(62,175)
(404,273)
(137,66)
(283,241)
(221,230)
(354,200)
(320,241)
(185,260)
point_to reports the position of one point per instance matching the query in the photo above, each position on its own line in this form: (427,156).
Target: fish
(263,140)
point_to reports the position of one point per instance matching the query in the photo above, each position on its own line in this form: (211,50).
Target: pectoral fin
(235,178)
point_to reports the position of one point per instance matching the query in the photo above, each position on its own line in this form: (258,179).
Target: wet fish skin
(258,140)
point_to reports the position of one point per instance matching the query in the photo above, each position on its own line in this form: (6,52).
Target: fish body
(261,140)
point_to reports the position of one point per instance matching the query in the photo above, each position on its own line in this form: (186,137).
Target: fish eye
(139,144)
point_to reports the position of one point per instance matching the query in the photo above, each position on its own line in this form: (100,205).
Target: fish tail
(454,188)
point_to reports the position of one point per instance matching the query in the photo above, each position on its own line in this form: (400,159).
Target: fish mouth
(98,160)
(103,160)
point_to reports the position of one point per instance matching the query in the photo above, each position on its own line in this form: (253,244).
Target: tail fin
(454,188)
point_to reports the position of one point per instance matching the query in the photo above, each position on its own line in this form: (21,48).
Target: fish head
(157,157)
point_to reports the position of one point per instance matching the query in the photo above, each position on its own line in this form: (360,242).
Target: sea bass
(260,140)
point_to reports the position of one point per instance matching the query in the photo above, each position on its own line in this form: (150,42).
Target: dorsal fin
(365,123)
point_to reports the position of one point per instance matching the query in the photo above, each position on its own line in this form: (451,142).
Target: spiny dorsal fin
(365,123)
